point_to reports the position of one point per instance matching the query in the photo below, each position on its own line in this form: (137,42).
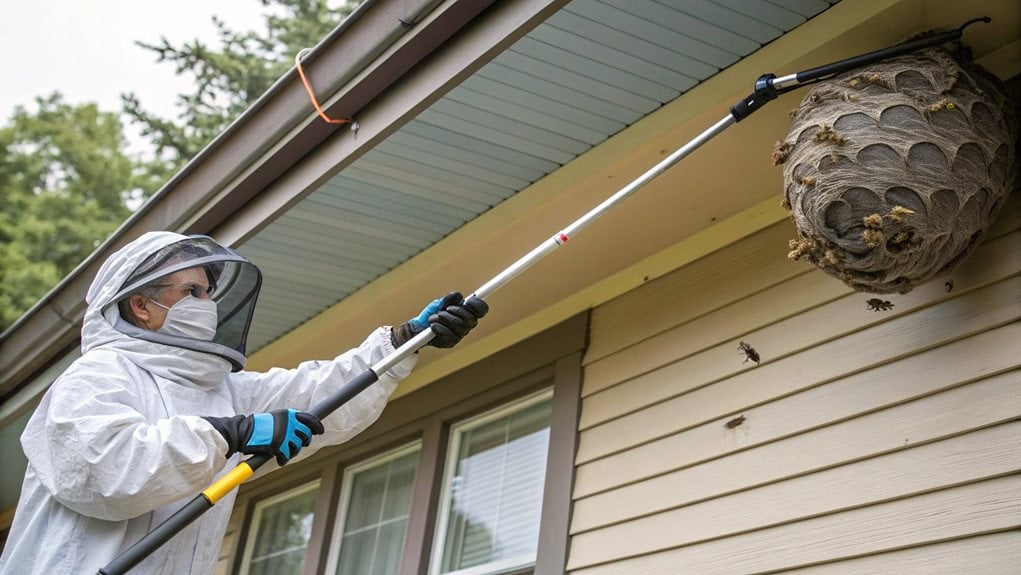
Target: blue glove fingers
(422,321)
(298,434)
(291,444)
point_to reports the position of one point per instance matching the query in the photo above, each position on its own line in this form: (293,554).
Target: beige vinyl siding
(870,441)
(993,554)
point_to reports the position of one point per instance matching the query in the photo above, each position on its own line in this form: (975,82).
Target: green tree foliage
(229,78)
(64,180)
(65,177)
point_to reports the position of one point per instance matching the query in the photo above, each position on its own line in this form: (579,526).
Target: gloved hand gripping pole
(767,88)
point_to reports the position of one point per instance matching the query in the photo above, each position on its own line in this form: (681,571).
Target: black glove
(450,317)
(281,433)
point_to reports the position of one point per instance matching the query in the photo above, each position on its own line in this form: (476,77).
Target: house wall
(864,440)
(550,359)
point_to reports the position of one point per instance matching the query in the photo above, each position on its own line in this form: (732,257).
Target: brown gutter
(369,51)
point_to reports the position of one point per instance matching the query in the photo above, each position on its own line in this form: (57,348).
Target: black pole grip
(158,536)
(203,502)
(344,394)
(184,516)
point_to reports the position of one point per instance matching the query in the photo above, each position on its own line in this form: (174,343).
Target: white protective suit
(117,444)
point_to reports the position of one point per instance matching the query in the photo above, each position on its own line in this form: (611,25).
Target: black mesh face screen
(233,283)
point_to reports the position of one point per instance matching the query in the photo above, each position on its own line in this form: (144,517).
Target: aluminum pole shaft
(570,231)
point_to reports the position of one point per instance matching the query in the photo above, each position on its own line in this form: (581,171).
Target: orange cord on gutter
(311,94)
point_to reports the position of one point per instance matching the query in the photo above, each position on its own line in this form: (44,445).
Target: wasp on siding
(876,304)
(749,352)
(734,422)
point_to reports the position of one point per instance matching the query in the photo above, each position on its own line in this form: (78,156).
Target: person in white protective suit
(158,407)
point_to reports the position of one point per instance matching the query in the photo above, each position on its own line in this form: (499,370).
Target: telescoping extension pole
(767,88)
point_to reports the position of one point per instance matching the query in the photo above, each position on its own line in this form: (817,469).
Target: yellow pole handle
(228,482)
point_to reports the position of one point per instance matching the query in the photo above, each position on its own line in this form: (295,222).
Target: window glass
(489,519)
(376,500)
(282,526)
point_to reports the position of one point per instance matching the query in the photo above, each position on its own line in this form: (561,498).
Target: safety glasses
(195,289)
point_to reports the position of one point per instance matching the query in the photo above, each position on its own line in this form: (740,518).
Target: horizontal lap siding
(864,441)
(992,554)
(952,513)
(995,554)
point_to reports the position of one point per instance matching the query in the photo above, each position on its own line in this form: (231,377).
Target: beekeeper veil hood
(148,265)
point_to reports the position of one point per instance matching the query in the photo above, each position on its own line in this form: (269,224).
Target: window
(376,499)
(484,467)
(492,490)
(282,526)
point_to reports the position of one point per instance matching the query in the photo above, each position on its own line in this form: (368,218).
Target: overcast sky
(85,48)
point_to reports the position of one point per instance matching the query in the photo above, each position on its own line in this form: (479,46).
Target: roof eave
(367,53)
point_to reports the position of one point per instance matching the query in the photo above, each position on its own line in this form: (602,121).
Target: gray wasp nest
(893,172)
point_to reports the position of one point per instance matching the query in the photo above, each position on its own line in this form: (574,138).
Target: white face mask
(190,317)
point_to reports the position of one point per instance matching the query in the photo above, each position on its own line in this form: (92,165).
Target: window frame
(260,505)
(333,546)
(450,468)
(549,359)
